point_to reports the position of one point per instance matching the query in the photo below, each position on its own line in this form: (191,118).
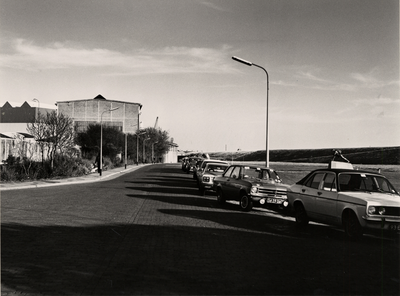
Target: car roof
(337,171)
(217,163)
(253,166)
(214,160)
(347,171)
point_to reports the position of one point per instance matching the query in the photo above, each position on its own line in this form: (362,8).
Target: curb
(90,179)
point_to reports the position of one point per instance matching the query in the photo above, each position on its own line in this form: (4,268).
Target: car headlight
(372,210)
(254,189)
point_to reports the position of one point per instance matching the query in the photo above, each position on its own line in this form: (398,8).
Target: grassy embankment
(292,165)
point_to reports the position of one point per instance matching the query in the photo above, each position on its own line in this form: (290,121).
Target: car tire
(245,202)
(351,225)
(220,196)
(202,190)
(301,215)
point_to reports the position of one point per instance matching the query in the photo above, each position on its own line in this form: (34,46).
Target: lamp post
(266,141)
(37,109)
(101,138)
(126,147)
(144,155)
(152,151)
(137,147)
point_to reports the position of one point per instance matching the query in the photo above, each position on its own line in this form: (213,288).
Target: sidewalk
(93,177)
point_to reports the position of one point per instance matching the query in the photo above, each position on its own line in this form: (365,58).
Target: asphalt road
(150,232)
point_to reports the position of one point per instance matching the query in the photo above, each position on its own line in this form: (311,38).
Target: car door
(222,181)
(326,199)
(309,192)
(232,186)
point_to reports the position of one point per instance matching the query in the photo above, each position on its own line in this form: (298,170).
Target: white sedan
(359,201)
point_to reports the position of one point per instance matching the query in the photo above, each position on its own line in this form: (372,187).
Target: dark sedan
(251,186)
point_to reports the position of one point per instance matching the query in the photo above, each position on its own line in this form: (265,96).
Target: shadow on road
(177,242)
(140,259)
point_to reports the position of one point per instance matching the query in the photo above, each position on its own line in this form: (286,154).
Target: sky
(333,67)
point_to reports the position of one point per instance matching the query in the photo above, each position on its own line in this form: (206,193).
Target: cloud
(212,5)
(28,56)
(314,78)
(369,80)
(376,102)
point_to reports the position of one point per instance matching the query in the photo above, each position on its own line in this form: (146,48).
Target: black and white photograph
(200,147)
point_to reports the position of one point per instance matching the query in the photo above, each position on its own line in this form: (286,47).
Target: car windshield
(257,173)
(364,182)
(218,168)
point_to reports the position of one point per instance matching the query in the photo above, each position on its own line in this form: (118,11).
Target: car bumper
(283,202)
(207,186)
(385,224)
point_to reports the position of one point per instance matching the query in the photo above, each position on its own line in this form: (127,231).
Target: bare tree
(38,130)
(55,131)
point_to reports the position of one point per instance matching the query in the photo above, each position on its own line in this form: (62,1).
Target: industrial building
(124,117)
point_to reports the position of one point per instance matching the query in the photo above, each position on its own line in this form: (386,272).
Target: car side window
(236,172)
(314,181)
(228,172)
(329,182)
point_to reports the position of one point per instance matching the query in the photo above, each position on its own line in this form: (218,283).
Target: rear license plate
(274,200)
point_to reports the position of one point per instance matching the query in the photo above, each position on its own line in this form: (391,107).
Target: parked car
(251,186)
(196,167)
(198,171)
(185,160)
(205,177)
(357,200)
(191,164)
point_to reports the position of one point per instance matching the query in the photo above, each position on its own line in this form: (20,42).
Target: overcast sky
(333,66)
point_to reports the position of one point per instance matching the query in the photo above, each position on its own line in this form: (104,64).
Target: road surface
(150,232)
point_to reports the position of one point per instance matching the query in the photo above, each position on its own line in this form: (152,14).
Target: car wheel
(202,191)
(245,202)
(301,215)
(352,226)
(220,196)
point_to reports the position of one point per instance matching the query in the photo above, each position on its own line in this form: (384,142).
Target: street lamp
(144,155)
(37,109)
(266,141)
(152,151)
(137,147)
(126,147)
(101,138)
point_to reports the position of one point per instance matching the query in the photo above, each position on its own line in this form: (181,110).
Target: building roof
(14,104)
(11,135)
(99,97)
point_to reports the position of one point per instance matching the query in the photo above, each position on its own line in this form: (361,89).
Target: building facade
(14,139)
(15,116)
(94,111)
(171,156)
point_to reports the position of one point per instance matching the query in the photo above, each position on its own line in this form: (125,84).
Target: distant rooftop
(32,104)
(98,97)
